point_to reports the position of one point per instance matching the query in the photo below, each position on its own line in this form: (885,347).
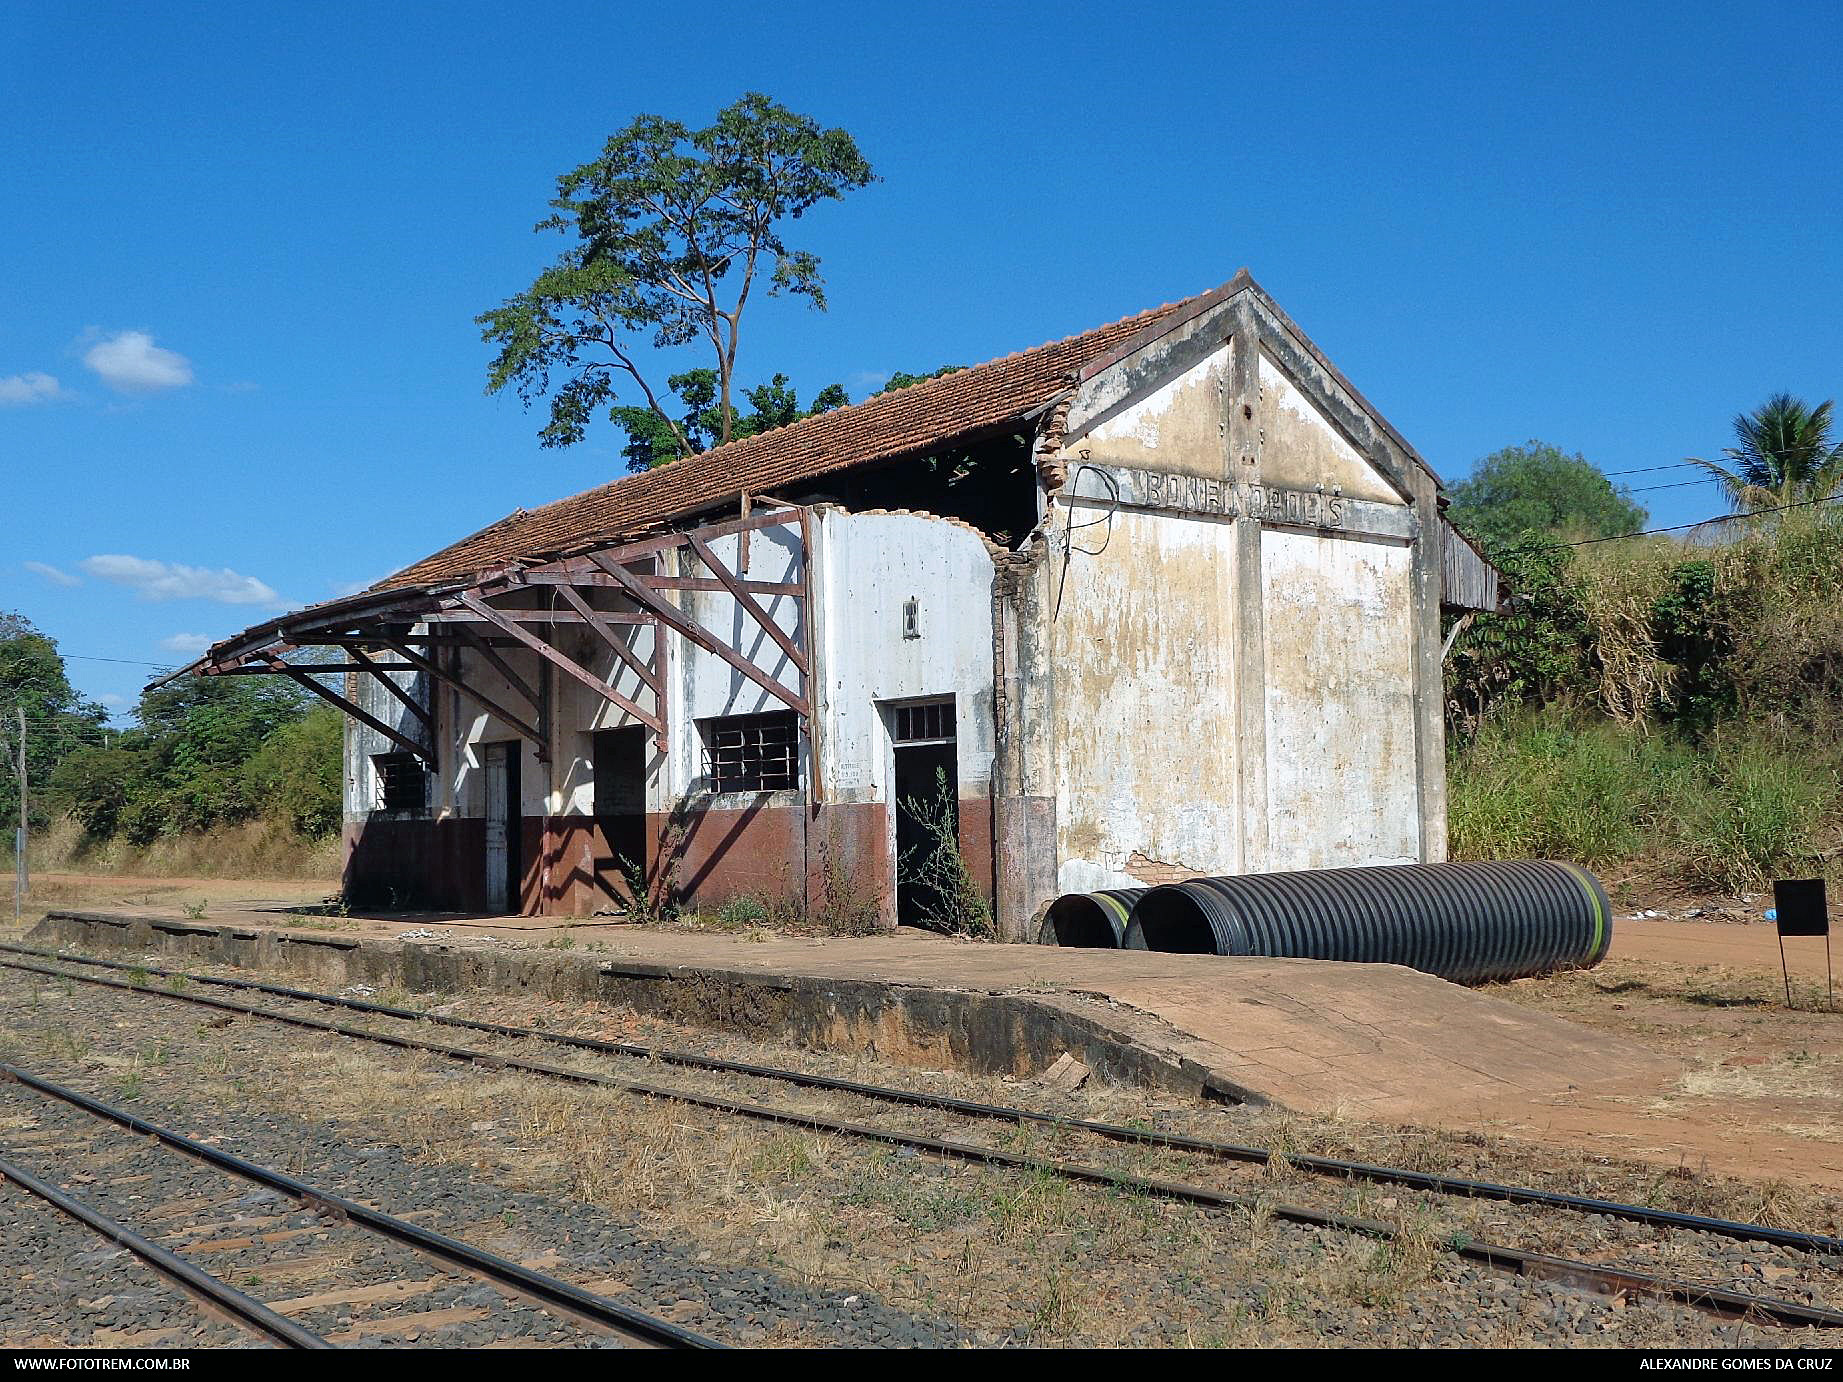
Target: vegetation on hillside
(1655,706)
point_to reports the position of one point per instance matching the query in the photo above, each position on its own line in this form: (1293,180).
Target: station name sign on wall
(1093,485)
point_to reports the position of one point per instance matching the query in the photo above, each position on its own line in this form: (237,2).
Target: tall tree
(58,719)
(674,230)
(1539,491)
(1784,456)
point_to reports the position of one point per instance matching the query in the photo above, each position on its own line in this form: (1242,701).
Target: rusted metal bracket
(414,706)
(492,707)
(675,619)
(558,660)
(364,717)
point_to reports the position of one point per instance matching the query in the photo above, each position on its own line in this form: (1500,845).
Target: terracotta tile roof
(907,422)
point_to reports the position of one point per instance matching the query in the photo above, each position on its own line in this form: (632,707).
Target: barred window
(402,782)
(922,722)
(752,753)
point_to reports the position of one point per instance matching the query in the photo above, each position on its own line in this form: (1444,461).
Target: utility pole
(19,839)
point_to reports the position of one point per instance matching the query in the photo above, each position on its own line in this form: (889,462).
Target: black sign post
(1798,904)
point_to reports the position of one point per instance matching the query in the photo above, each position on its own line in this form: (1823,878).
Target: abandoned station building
(1159,600)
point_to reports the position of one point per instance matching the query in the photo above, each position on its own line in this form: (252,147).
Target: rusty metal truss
(424,628)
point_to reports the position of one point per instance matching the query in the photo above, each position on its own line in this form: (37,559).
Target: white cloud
(130,362)
(165,580)
(33,387)
(187,642)
(51,573)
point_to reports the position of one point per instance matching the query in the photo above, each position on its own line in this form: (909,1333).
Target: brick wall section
(1155,872)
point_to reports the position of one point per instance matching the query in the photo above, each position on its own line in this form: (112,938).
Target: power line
(1675,527)
(1677,484)
(1647,469)
(125,661)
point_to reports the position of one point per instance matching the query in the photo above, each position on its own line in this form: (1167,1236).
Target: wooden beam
(415,706)
(364,717)
(506,618)
(486,703)
(600,580)
(813,724)
(620,645)
(710,587)
(674,618)
(315,667)
(665,542)
(748,602)
(558,660)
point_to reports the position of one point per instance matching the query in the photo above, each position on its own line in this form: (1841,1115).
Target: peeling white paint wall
(1339,653)
(871,565)
(1145,747)
(1300,449)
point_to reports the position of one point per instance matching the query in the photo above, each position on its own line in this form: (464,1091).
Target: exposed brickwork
(1154,872)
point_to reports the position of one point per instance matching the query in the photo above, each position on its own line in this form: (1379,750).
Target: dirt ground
(1764,1090)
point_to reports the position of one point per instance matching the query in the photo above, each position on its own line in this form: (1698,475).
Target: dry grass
(251,850)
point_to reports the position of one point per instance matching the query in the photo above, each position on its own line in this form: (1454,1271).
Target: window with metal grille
(752,753)
(922,722)
(403,782)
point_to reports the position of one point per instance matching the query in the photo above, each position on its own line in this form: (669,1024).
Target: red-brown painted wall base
(838,855)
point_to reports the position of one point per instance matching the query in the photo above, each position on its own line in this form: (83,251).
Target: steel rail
(548,1289)
(1432,1182)
(1710,1299)
(247,1311)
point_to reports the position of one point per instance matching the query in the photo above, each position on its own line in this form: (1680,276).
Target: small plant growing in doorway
(660,900)
(937,871)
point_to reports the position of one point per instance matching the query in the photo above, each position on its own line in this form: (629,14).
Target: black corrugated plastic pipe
(1097,920)
(1470,922)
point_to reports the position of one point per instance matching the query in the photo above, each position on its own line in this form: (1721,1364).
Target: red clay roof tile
(906,422)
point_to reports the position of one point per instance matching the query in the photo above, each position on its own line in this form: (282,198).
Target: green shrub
(744,910)
(1564,784)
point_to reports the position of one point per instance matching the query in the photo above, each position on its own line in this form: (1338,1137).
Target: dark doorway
(619,770)
(504,826)
(927,791)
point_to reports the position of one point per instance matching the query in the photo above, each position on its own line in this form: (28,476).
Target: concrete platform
(1370,1041)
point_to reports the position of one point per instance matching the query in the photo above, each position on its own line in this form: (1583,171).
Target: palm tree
(1785,456)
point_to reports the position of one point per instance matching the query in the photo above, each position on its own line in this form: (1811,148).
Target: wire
(125,661)
(1675,527)
(1676,484)
(1647,469)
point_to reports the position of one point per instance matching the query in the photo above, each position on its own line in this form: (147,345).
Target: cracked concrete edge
(973,1029)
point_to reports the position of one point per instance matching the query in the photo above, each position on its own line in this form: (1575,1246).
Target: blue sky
(243,245)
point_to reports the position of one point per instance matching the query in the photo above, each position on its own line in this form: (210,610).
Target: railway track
(345,1234)
(1615,1279)
(1230,1151)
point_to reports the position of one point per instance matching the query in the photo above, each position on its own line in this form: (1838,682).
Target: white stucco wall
(869,566)
(1339,655)
(1145,744)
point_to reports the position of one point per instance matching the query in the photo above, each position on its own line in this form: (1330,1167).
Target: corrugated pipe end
(1173,919)
(1089,920)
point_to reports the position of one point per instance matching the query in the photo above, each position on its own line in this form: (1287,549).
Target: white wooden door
(499,818)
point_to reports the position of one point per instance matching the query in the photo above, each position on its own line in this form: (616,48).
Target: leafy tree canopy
(205,751)
(902,379)
(652,439)
(1535,492)
(673,229)
(58,719)
(1783,455)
